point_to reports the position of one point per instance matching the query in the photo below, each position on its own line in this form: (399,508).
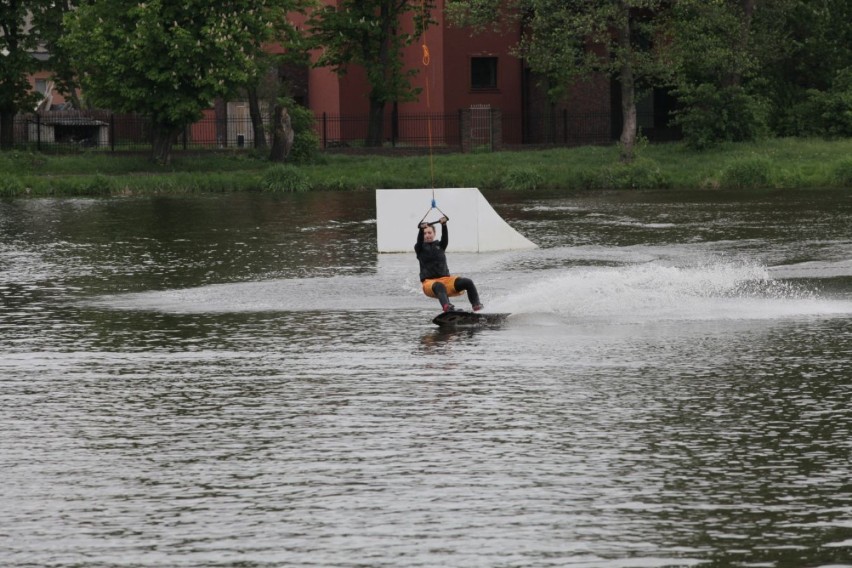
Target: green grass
(774,163)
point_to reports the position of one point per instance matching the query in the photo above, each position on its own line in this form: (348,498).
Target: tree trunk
(75,99)
(282,135)
(379,94)
(256,119)
(163,139)
(7,129)
(376,122)
(628,90)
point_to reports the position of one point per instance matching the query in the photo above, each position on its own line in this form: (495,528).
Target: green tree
(370,33)
(166,59)
(264,82)
(566,40)
(19,38)
(716,52)
(831,108)
(813,54)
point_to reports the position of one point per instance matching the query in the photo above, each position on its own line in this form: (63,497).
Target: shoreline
(784,163)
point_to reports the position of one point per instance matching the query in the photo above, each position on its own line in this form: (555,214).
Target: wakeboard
(460,318)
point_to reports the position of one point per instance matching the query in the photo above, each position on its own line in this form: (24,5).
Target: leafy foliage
(715,60)
(747,173)
(366,33)
(738,67)
(642,173)
(522,179)
(712,114)
(842,172)
(10,186)
(569,39)
(167,60)
(813,48)
(285,178)
(565,40)
(833,108)
(17,41)
(306,143)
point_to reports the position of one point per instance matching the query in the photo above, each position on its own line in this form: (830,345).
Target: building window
(41,86)
(483,73)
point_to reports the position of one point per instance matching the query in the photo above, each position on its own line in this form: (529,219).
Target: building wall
(447,75)
(459,48)
(323,91)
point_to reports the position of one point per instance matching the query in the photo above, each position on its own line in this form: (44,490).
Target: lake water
(242,380)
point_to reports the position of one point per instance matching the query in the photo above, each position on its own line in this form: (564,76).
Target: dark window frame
(483,73)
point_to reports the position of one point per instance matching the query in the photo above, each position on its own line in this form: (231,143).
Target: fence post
(112,132)
(464,128)
(324,130)
(394,125)
(496,130)
(38,131)
(491,127)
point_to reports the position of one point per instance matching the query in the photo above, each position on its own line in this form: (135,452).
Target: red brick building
(474,75)
(479,93)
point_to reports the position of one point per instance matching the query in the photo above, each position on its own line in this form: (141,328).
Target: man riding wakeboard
(434,273)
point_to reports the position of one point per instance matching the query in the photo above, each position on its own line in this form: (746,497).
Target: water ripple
(645,408)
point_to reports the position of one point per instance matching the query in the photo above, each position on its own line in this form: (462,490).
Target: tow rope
(434,206)
(427,59)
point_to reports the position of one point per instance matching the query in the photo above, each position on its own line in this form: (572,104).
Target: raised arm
(445,235)
(418,246)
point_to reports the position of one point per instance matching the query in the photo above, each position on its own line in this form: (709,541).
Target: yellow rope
(427,58)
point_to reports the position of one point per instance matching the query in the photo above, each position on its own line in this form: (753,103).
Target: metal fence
(399,129)
(69,131)
(559,128)
(474,127)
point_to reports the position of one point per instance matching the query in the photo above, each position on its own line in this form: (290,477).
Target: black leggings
(462,284)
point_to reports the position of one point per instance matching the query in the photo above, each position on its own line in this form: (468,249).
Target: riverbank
(775,163)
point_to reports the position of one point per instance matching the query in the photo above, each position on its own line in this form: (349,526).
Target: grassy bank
(776,163)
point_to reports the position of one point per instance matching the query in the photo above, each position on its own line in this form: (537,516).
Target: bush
(639,174)
(306,143)
(521,178)
(711,115)
(283,178)
(305,147)
(832,109)
(17,162)
(98,184)
(10,186)
(842,173)
(747,173)
(586,178)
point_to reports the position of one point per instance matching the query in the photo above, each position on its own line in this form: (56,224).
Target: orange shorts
(448,281)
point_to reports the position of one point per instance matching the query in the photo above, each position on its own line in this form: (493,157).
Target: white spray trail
(651,291)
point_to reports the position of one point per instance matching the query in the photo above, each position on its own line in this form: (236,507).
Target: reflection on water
(242,381)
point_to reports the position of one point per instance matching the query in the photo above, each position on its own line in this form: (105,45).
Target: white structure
(475,226)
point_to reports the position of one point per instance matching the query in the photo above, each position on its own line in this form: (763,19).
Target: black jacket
(433,261)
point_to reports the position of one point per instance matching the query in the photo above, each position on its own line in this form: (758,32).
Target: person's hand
(444,220)
(424,225)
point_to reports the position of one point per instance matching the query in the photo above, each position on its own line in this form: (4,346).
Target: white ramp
(475,226)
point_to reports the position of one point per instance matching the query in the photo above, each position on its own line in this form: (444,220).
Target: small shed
(82,130)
